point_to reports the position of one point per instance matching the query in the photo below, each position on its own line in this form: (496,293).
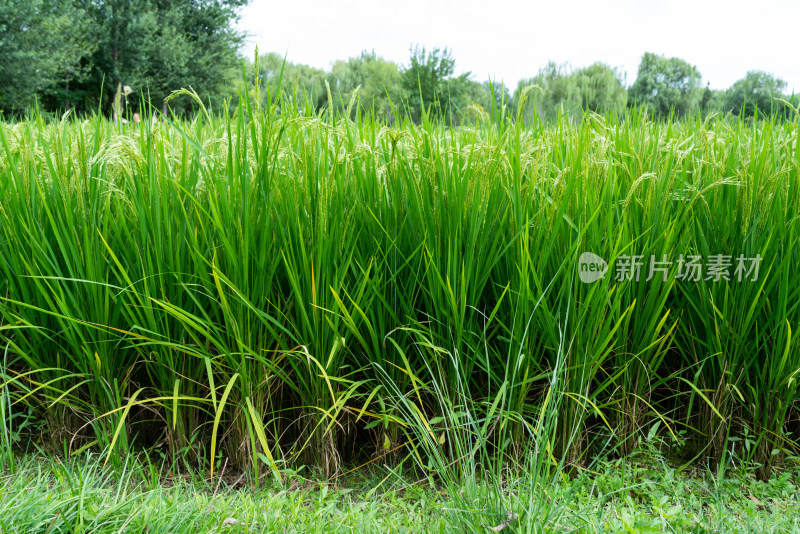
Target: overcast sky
(510,40)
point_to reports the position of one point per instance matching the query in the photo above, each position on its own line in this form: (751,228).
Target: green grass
(82,496)
(641,494)
(272,290)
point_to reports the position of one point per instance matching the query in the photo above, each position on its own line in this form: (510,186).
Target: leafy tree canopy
(64,51)
(597,87)
(429,82)
(43,45)
(666,84)
(158,46)
(757,92)
(379,83)
(307,82)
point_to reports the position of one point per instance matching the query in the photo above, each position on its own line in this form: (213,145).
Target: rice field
(271,291)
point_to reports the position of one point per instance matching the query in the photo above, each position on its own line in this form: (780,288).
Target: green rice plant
(456,449)
(268,287)
(59,313)
(742,330)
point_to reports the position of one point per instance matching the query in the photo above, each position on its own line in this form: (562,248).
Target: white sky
(509,40)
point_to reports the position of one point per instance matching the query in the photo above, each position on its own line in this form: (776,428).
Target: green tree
(64,51)
(379,83)
(666,84)
(712,100)
(756,93)
(157,46)
(597,87)
(489,96)
(601,88)
(429,82)
(303,81)
(44,45)
(556,90)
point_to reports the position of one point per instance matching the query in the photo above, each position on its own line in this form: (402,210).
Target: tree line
(75,54)
(428,85)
